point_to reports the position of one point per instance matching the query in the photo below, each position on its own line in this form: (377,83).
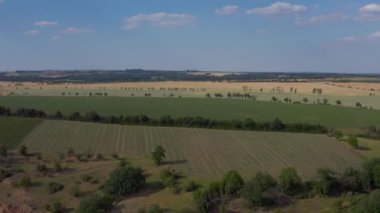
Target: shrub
(56,207)
(3,151)
(4,174)
(169,177)
(57,166)
(96,204)
(232,183)
(353,141)
(23,150)
(190,186)
(289,181)
(54,187)
(42,168)
(338,134)
(158,155)
(24,182)
(75,191)
(86,178)
(325,183)
(202,200)
(124,181)
(99,156)
(155,209)
(369,203)
(253,191)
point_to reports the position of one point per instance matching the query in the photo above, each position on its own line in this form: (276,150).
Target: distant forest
(139,75)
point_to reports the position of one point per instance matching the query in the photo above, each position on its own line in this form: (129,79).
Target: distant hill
(139,75)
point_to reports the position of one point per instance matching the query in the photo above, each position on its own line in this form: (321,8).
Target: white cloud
(331,17)
(369,37)
(73,30)
(375,35)
(55,37)
(349,39)
(227,10)
(160,19)
(32,32)
(278,8)
(45,23)
(370,12)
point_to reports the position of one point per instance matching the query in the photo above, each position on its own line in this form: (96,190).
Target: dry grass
(334,89)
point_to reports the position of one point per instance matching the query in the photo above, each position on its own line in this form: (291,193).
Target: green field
(330,116)
(202,153)
(13,130)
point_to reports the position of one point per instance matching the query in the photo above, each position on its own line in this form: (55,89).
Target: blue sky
(221,35)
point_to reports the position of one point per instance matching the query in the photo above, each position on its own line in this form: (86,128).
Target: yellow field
(336,89)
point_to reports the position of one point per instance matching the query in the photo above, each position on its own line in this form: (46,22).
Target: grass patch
(13,130)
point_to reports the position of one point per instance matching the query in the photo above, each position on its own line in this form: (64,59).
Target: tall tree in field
(158,155)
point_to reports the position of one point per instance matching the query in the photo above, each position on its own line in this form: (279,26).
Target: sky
(213,35)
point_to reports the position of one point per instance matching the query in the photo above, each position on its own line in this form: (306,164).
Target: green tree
(289,181)
(326,181)
(253,191)
(158,155)
(232,183)
(125,180)
(353,142)
(338,102)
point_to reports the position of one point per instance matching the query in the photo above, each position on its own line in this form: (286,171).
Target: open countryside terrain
(329,116)
(200,152)
(349,93)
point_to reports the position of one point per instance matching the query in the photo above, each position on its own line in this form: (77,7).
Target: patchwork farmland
(200,152)
(329,116)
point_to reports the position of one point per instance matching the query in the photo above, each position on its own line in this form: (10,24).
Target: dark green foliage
(253,191)
(370,174)
(125,180)
(368,204)
(54,187)
(42,168)
(190,186)
(75,191)
(96,204)
(4,174)
(86,178)
(324,185)
(24,182)
(350,180)
(158,155)
(232,183)
(338,134)
(289,181)
(198,122)
(70,152)
(353,142)
(23,150)
(56,207)
(169,177)
(57,166)
(202,200)
(3,151)
(155,209)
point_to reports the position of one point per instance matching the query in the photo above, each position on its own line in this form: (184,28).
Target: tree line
(263,190)
(191,122)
